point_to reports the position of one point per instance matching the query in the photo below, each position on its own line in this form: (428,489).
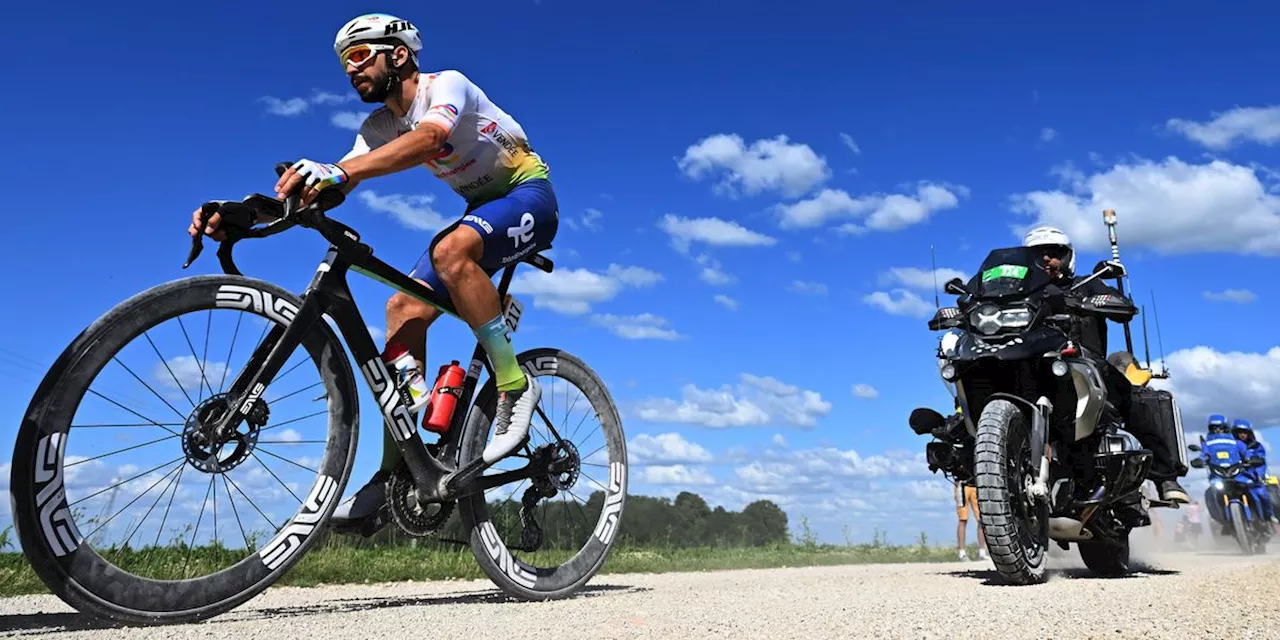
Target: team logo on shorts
(523,233)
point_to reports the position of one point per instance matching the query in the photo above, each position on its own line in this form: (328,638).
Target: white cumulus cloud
(1254,124)
(915,278)
(755,401)
(573,291)
(1239,384)
(1242,296)
(810,288)
(645,326)
(875,212)
(1170,205)
(725,301)
(773,164)
(865,391)
(899,302)
(412,211)
(665,449)
(711,231)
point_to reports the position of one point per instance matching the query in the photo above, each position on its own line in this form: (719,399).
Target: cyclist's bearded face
(372,80)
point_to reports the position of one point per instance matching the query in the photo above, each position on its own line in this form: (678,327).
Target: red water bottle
(444,398)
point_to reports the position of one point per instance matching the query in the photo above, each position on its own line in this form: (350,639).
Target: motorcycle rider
(1090,332)
(1225,448)
(1220,436)
(1242,430)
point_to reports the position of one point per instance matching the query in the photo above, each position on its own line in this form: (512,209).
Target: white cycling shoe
(515,413)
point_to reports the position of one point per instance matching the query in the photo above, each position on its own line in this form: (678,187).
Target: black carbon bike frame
(435,473)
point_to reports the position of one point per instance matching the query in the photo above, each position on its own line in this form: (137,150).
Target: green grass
(339,564)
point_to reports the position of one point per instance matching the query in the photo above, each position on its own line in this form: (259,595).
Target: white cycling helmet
(378,26)
(1052,236)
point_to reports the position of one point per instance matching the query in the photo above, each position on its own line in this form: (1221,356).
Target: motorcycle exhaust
(1068,529)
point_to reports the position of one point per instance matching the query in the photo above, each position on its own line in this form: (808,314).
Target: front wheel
(1240,527)
(253,502)
(564,520)
(1015,525)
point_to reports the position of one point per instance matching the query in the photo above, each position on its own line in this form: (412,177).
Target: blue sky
(749,196)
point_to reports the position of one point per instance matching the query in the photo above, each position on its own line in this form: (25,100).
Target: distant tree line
(686,521)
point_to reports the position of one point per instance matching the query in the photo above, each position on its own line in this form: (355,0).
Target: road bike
(226,431)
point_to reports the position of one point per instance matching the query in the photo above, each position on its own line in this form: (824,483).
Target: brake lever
(197,243)
(225,249)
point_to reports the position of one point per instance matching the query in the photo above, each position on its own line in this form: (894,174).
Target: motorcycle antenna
(1164,367)
(933,259)
(1109,217)
(1146,334)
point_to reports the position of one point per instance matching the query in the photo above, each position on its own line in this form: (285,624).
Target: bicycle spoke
(169,506)
(166,368)
(305,359)
(236,512)
(300,466)
(191,547)
(230,349)
(125,424)
(295,392)
(203,379)
(138,497)
(159,497)
(204,362)
(136,446)
(582,512)
(281,424)
(251,502)
(273,475)
(153,391)
(135,412)
(122,482)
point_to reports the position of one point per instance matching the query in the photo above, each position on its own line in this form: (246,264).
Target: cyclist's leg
(408,320)
(488,238)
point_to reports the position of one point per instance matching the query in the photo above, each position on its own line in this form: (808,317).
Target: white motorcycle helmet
(1054,237)
(378,26)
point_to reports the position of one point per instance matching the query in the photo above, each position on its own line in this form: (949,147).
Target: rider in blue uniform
(1223,448)
(1243,431)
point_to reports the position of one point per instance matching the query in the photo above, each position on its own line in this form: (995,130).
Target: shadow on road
(989,577)
(40,624)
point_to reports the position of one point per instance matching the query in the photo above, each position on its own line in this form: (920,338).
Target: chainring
(412,518)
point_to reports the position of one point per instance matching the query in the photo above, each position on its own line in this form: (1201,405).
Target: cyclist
(444,121)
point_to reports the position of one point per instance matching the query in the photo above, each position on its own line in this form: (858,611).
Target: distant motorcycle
(1230,504)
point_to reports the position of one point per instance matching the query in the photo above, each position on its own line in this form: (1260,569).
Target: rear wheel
(561,523)
(1106,559)
(114,567)
(1016,527)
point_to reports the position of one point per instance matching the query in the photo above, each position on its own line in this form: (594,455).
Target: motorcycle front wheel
(1016,527)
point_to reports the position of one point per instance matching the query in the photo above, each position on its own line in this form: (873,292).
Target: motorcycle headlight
(1217,484)
(989,318)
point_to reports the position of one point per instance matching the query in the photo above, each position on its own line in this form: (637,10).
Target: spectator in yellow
(966,496)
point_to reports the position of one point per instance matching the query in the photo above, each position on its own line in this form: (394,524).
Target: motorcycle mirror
(924,420)
(1197,463)
(1193,447)
(955,286)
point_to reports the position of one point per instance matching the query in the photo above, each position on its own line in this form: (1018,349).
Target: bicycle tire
(73,570)
(514,577)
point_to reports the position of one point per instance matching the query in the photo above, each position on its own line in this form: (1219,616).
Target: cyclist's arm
(451,97)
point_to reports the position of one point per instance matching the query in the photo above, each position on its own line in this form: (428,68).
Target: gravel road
(1178,595)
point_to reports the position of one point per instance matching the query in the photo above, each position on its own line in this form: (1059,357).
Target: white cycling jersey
(486,153)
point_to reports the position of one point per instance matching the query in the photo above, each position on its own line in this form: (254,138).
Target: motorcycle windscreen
(1008,272)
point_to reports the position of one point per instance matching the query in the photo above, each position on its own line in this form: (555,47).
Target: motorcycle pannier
(1156,412)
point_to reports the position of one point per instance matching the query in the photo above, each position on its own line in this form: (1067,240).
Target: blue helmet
(1243,430)
(1218,423)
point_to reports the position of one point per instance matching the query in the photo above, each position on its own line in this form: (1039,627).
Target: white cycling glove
(319,175)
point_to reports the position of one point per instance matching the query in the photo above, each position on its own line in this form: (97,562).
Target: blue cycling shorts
(512,228)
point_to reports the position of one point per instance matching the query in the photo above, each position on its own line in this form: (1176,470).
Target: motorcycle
(1233,508)
(1034,427)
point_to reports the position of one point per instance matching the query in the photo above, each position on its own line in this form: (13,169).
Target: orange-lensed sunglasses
(360,54)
